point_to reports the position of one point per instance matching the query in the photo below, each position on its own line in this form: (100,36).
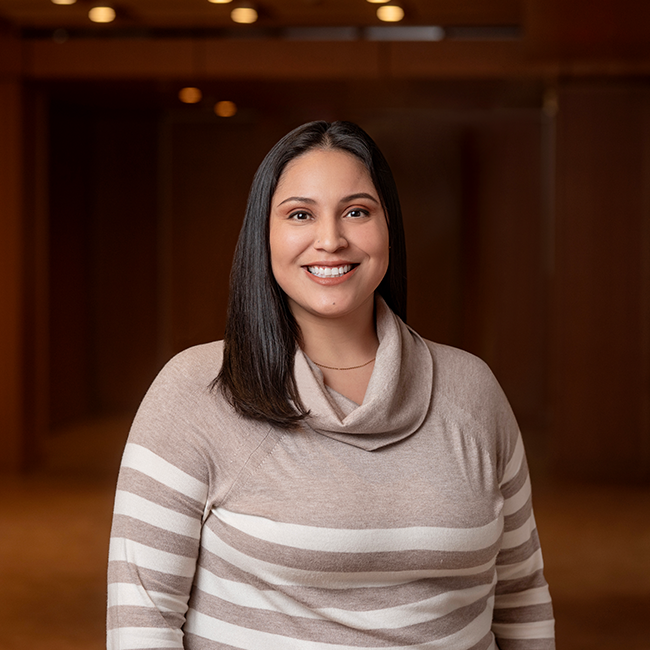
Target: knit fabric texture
(405,522)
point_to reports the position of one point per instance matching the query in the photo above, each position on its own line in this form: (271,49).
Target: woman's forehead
(325,169)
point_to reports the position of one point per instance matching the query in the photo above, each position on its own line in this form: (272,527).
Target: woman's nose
(330,236)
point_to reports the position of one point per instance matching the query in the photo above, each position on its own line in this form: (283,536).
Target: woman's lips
(330,271)
(329,275)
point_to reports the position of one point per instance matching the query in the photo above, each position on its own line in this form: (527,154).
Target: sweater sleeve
(523,614)
(159,506)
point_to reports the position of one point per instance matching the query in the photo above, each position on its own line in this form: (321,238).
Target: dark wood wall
(103,274)
(12,283)
(524,173)
(601,389)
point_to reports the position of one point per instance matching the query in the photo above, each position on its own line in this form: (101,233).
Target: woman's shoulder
(182,403)
(185,382)
(464,379)
(467,392)
(454,362)
(197,365)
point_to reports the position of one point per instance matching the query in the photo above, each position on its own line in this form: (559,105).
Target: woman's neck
(343,348)
(340,342)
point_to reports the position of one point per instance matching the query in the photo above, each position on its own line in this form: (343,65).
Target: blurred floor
(54,529)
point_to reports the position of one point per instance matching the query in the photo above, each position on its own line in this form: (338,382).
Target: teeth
(330,271)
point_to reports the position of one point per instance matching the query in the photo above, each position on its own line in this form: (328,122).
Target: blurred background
(519,135)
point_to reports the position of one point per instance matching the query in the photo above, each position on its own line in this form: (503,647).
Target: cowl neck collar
(397,398)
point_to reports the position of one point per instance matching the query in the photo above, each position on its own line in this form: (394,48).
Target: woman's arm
(523,614)
(159,506)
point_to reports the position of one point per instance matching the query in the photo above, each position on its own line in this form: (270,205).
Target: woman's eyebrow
(297,199)
(345,199)
(359,195)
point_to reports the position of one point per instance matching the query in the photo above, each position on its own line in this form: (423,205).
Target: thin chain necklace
(320,365)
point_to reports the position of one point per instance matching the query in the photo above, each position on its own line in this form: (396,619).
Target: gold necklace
(320,365)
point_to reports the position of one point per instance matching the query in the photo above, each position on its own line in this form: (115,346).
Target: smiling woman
(323,198)
(343,483)
(329,252)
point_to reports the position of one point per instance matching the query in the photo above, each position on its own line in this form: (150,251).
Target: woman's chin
(332,310)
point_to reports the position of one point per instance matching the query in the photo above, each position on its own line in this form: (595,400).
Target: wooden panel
(462,59)
(36,326)
(588,28)
(109,58)
(124,259)
(271,59)
(601,364)
(172,58)
(11,55)
(278,59)
(69,259)
(13,435)
(505,289)
(103,260)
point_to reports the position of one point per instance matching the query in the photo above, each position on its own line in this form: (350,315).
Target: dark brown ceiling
(201,14)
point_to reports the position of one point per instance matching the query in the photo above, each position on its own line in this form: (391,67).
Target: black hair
(261,333)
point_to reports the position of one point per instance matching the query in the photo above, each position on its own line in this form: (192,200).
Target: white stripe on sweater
(142,638)
(121,594)
(282,575)
(249,639)
(532,630)
(313,538)
(538,596)
(145,557)
(514,464)
(525,568)
(146,461)
(396,617)
(132,505)
(517,500)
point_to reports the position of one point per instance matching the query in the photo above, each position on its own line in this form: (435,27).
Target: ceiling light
(390,13)
(190,95)
(225,109)
(244,13)
(220,2)
(63,2)
(102,14)
(377,2)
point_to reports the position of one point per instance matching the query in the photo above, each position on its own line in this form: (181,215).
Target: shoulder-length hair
(261,333)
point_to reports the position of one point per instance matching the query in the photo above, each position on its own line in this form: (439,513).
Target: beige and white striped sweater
(403,523)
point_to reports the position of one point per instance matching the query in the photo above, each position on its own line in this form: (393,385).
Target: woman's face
(328,235)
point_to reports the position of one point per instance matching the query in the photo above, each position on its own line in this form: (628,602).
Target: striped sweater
(405,522)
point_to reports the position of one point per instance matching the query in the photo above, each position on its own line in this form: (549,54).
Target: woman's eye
(358,212)
(299,216)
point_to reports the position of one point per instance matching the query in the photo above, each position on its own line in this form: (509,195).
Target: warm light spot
(244,15)
(102,14)
(225,109)
(378,2)
(190,95)
(220,2)
(63,2)
(390,13)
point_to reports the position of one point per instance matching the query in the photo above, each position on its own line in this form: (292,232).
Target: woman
(343,483)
